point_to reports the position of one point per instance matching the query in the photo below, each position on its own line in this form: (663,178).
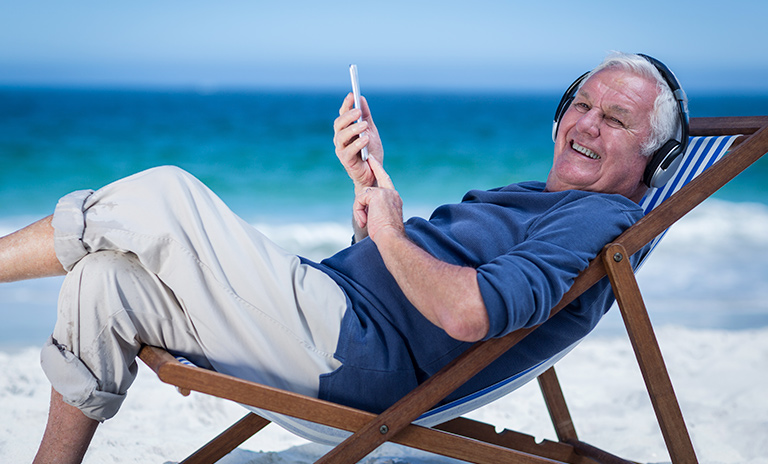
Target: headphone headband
(666,159)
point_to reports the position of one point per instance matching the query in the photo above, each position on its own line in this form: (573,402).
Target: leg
(67,434)
(109,306)
(266,300)
(28,253)
(240,298)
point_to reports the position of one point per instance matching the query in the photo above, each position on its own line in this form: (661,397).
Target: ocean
(270,157)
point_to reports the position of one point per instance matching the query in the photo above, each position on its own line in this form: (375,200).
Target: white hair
(665,118)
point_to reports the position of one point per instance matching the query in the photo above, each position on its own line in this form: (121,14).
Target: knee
(168,172)
(171,185)
(168,177)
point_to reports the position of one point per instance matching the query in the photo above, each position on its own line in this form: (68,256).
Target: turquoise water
(270,157)
(271,154)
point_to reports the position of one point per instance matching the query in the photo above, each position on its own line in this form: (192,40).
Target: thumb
(360,210)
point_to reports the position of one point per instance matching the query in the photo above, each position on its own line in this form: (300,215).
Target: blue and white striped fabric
(701,153)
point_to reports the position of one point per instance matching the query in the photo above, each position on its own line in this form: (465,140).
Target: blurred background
(243,95)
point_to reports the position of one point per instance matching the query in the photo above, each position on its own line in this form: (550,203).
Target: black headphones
(666,159)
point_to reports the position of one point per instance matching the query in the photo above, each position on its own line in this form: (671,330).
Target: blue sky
(477,44)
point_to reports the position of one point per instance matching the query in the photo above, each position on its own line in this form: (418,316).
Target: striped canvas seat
(702,152)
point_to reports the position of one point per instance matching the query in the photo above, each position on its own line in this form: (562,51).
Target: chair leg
(558,409)
(561,419)
(648,354)
(228,440)
(556,451)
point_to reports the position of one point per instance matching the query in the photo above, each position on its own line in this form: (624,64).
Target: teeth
(585,151)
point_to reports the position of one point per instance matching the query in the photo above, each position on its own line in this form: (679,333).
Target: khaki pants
(158,259)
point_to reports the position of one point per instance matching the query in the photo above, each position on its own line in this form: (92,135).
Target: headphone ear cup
(663,164)
(565,102)
(669,156)
(561,109)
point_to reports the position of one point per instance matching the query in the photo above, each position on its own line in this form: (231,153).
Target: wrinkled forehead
(621,91)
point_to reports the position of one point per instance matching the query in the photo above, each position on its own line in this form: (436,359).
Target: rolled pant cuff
(69,225)
(74,381)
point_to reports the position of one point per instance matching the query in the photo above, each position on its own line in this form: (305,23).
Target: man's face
(598,144)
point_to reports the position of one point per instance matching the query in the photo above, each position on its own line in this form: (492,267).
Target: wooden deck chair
(472,441)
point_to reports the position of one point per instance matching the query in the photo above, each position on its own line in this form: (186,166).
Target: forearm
(447,295)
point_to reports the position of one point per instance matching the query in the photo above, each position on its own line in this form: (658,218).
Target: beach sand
(719,377)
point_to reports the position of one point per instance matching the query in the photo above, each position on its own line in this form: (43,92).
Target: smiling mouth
(585,151)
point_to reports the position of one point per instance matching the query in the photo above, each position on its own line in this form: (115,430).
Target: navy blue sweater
(527,246)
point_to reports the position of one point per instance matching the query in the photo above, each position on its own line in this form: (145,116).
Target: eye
(614,122)
(581,106)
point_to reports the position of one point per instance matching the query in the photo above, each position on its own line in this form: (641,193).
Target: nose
(589,123)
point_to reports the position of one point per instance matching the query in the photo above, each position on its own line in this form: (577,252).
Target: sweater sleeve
(520,287)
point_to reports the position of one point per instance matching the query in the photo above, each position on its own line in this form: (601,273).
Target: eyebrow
(620,109)
(616,108)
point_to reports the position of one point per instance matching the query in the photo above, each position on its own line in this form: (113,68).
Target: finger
(366,111)
(364,106)
(349,143)
(346,119)
(382,178)
(346,104)
(350,155)
(347,115)
(345,130)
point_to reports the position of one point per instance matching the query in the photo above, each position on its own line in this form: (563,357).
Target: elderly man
(157,259)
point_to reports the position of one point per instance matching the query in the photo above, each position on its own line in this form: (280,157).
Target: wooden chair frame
(469,440)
